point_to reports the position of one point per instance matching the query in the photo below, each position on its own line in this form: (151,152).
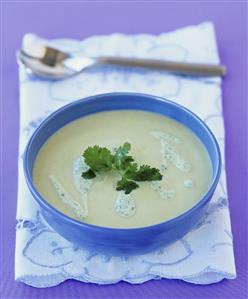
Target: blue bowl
(126,241)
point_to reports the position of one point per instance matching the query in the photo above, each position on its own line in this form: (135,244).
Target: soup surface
(155,140)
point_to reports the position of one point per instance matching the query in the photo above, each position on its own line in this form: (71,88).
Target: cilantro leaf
(89,174)
(146,173)
(126,185)
(130,170)
(123,150)
(122,159)
(98,158)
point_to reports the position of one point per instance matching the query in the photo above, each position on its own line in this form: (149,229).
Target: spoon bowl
(42,70)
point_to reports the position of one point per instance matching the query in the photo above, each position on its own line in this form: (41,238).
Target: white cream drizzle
(67,199)
(82,185)
(163,136)
(125,205)
(163,192)
(169,153)
(188,183)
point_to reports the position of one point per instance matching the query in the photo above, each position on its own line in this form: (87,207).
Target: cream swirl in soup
(155,140)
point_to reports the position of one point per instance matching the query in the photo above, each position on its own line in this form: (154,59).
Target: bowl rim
(51,209)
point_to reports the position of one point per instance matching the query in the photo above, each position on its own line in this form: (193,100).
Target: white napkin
(205,255)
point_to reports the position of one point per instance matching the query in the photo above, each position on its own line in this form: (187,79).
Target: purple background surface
(80,20)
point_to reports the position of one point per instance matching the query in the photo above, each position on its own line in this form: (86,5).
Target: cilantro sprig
(101,160)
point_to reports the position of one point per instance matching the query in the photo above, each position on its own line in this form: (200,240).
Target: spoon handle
(196,69)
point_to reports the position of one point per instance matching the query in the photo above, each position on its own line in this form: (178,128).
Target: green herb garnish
(100,159)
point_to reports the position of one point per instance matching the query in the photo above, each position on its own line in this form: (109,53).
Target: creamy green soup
(155,140)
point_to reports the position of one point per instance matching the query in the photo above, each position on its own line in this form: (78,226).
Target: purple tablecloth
(79,20)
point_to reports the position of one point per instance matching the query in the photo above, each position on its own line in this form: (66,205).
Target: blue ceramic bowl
(127,241)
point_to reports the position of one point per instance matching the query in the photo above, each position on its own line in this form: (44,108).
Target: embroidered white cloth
(205,255)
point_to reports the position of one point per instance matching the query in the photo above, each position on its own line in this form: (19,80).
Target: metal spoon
(38,68)
(56,64)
